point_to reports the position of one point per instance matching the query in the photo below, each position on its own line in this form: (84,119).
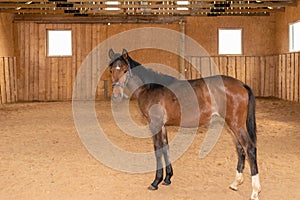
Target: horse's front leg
(169,170)
(158,148)
(161,147)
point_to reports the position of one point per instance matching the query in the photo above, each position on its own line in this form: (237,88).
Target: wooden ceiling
(144,8)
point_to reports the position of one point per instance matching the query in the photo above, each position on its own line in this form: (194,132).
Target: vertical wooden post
(262,75)
(2,81)
(105,89)
(42,62)
(181,48)
(7,79)
(297,77)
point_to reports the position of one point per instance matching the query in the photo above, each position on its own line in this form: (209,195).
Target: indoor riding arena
(62,136)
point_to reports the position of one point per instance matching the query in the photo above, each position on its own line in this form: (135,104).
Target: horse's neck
(142,76)
(135,85)
(148,76)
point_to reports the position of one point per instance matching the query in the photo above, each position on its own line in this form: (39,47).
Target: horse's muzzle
(117,98)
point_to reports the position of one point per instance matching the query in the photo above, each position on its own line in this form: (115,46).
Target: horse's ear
(125,54)
(111,54)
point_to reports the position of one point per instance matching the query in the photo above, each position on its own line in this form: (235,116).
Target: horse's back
(190,103)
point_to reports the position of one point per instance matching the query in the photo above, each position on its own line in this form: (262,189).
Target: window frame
(48,44)
(242,40)
(291,44)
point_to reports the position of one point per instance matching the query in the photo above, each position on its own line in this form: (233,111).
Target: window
(230,41)
(59,42)
(294,36)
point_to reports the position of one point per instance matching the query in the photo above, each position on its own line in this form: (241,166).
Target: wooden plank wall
(8,83)
(268,76)
(259,72)
(289,77)
(33,76)
(43,78)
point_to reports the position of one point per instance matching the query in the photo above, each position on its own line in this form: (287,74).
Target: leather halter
(128,74)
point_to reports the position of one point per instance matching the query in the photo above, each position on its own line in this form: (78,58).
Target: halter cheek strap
(127,79)
(129,70)
(119,84)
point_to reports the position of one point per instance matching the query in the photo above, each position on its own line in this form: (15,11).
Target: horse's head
(120,73)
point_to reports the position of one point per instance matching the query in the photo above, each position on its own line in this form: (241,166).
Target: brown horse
(158,96)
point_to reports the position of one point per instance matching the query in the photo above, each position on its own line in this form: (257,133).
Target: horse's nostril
(117,97)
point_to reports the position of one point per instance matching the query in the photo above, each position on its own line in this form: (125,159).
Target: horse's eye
(110,71)
(125,71)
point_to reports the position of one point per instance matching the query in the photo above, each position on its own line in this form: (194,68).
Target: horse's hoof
(254,198)
(166,182)
(233,187)
(151,187)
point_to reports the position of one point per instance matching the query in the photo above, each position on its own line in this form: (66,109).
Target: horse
(161,108)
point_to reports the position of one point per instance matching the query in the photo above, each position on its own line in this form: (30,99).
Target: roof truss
(84,8)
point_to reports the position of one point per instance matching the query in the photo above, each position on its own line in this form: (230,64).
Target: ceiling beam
(100,19)
(135,7)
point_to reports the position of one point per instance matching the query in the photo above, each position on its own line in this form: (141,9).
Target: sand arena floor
(42,157)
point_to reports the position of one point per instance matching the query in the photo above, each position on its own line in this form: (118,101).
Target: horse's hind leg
(256,188)
(240,167)
(243,143)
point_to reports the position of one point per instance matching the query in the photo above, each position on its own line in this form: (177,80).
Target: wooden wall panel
(224,65)
(7,38)
(266,78)
(41,62)
(206,67)
(8,85)
(6,73)
(258,32)
(256,75)
(297,76)
(288,75)
(215,65)
(2,82)
(277,76)
(259,72)
(281,34)
(43,78)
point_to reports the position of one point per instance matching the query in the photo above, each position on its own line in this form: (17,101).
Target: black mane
(149,77)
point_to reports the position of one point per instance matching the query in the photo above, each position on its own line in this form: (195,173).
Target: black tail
(251,121)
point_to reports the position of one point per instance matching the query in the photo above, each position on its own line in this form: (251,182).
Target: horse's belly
(190,120)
